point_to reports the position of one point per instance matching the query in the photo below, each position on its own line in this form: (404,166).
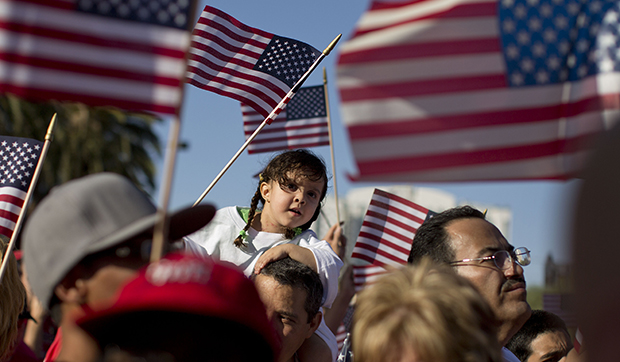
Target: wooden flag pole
(331,145)
(160,231)
(35,177)
(274,113)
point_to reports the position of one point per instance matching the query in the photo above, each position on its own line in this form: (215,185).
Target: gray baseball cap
(87,215)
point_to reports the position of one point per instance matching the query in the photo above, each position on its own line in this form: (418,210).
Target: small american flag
(386,235)
(18,161)
(444,90)
(302,124)
(252,66)
(123,53)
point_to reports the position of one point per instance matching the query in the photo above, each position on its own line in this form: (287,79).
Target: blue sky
(213,128)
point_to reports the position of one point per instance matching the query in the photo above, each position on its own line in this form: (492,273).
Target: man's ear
(265,190)
(75,293)
(314,324)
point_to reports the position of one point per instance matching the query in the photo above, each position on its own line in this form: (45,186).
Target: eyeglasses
(503,259)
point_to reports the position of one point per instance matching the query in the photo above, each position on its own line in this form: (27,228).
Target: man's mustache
(510,283)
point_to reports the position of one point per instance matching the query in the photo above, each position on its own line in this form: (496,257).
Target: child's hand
(295,252)
(337,240)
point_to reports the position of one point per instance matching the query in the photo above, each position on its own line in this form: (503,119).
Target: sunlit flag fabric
(122,53)
(250,65)
(386,235)
(302,124)
(18,161)
(451,90)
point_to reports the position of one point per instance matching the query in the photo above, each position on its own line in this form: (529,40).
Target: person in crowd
(12,306)
(477,250)
(594,249)
(543,338)
(423,313)
(85,240)
(290,189)
(291,292)
(184,308)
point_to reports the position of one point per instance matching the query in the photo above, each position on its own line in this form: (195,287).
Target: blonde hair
(12,299)
(427,310)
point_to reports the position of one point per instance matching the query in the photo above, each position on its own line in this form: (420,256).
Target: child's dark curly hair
(298,163)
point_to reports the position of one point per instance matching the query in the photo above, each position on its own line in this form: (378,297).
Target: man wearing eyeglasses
(477,250)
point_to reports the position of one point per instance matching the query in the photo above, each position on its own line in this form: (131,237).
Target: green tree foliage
(86,140)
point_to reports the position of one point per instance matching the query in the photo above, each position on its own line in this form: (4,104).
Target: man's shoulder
(508,356)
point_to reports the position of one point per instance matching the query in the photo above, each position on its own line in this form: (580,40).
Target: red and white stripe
(366,275)
(11,203)
(385,238)
(388,229)
(50,51)
(222,57)
(424,97)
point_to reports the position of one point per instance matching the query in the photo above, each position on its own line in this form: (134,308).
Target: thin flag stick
(331,144)
(160,231)
(274,113)
(35,177)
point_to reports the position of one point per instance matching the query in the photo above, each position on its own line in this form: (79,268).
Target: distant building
(558,293)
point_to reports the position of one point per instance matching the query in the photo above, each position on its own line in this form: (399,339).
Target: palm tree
(86,140)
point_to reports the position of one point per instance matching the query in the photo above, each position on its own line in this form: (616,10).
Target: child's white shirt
(216,240)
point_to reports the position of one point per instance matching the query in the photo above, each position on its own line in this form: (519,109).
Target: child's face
(290,205)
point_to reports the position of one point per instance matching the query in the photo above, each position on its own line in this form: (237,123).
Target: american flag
(386,235)
(122,53)
(18,161)
(250,65)
(453,90)
(302,124)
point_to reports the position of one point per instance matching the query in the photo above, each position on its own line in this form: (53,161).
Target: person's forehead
(299,177)
(292,297)
(474,237)
(550,340)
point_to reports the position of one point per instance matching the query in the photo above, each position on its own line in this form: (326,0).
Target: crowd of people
(256,283)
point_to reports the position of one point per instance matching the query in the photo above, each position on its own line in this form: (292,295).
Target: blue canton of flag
(18,161)
(286,59)
(171,13)
(553,41)
(309,102)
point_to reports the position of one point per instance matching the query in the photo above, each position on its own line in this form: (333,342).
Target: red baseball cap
(187,305)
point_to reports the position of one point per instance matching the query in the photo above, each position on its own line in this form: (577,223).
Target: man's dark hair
(431,239)
(298,275)
(540,322)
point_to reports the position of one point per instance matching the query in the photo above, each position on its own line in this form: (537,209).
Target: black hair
(541,321)
(299,163)
(292,273)
(431,238)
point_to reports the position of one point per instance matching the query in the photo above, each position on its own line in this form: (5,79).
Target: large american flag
(386,236)
(479,89)
(18,161)
(123,53)
(302,124)
(250,65)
